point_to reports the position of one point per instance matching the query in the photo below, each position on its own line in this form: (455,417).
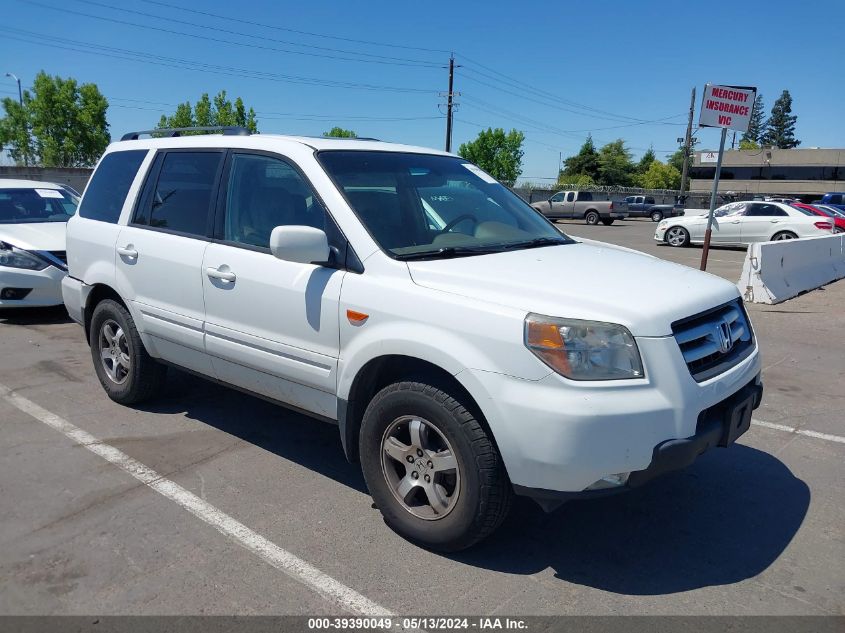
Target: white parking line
(281,559)
(792,429)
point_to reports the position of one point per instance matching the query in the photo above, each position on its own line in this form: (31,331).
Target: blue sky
(556,70)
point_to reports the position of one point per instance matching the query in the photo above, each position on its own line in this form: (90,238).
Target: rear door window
(105,194)
(181,198)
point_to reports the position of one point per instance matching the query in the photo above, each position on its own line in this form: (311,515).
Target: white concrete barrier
(777,271)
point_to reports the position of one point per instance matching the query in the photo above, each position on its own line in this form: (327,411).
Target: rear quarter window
(105,194)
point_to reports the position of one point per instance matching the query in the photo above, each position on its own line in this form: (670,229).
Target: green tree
(339,132)
(747,144)
(756,125)
(584,163)
(615,165)
(16,133)
(61,123)
(581,181)
(659,175)
(496,152)
(212,113)
(645,162)
(780,129)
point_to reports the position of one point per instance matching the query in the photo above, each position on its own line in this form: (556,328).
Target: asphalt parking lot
(756,529)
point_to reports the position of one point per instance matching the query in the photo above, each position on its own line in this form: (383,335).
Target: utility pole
(687,146)
(20,101)
(733,140)
(449,103)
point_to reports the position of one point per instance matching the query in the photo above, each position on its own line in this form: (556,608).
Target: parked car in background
(834,210)
(33,216)
(839,222)
(404,295)
(579,205)
(833,199)
(743,223)
(646,207)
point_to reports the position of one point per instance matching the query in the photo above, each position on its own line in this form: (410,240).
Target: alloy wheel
(420,467)
(676,236)
(114,351)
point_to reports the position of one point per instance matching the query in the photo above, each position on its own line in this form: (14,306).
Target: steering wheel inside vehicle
(461,218)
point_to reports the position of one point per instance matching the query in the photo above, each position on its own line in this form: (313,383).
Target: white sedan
(33,218)
(740,223)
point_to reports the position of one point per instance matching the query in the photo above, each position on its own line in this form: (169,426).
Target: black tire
(608,221)
(484,493)
(656,216)
(682,237)
(144,376)
(784,235)
(592,217)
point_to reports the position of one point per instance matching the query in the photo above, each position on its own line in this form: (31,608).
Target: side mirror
(302,244)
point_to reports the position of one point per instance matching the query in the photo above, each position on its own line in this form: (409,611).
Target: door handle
(127,251)
(774,221)
(735,222)
(216,273)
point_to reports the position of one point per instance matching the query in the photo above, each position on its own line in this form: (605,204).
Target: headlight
(14,257)
(583,350)
(662,225)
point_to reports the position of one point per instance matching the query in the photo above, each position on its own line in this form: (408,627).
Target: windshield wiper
(448,252)
(538,242)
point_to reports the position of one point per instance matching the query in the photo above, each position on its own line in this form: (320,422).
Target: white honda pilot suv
(465,348)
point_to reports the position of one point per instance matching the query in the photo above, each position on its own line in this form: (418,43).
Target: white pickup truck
(567,205)
(466,350)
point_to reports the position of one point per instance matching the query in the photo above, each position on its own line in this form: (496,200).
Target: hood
(35,236)
(582,281)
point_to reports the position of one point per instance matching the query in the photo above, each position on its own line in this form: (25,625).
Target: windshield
(23,206)
(418,205)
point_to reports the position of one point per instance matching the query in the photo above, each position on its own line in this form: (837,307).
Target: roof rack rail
(227,130)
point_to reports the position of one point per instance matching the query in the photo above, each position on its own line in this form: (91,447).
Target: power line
(224,41)
(543,93)
(289,30)
(173,62)
(564,109)
(421,62)
(474,102)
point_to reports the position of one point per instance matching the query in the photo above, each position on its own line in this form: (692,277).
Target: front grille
(714,341)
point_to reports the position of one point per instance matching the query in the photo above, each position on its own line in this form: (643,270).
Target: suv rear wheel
(431,468)
(125,369)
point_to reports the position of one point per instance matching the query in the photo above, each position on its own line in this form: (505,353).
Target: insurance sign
(727,106)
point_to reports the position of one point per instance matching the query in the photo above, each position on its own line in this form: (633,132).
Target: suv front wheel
(125,369)
(432,470)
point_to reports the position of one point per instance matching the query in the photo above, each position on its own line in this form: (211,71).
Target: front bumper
(720,425)
(564,436)
(44,286)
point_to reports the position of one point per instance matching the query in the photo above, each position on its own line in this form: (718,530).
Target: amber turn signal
(356,318)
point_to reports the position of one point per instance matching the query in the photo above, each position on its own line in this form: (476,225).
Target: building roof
(762,156)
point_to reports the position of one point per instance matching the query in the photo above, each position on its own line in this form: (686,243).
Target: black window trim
(348,258)
(155,171)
